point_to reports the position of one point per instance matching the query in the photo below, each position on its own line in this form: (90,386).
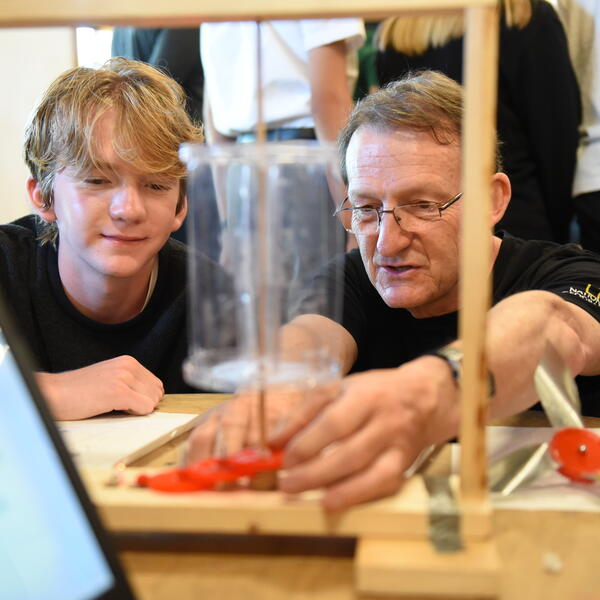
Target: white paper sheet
(105,440)
(551,491)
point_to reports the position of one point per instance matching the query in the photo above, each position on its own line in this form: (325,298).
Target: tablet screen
(51,544)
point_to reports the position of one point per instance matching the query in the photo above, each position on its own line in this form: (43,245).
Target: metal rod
(262,244)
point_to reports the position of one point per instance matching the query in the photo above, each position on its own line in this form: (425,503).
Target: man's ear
(180,215)
(37,201)
(501,191)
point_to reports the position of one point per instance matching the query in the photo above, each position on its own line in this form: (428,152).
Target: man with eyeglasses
(401,157)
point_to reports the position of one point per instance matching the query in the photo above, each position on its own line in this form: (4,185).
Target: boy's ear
(37,202)
(180,215)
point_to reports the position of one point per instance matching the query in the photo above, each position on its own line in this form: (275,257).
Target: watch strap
(453,357)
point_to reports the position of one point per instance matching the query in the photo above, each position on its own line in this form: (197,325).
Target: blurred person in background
(309,71)
(539,107)
(581,19)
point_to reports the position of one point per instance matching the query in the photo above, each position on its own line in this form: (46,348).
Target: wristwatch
(454,356)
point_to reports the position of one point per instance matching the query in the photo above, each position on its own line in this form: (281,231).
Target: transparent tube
(263,213)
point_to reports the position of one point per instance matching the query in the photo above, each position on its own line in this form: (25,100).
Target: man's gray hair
(426,101)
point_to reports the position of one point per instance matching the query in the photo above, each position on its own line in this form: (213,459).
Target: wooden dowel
(479,127)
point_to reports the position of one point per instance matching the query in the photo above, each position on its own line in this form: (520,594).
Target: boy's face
(112,221)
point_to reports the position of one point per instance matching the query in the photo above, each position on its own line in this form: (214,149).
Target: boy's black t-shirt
(61,338)
(387,337)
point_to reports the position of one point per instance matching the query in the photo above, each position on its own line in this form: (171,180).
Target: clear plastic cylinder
(262,237)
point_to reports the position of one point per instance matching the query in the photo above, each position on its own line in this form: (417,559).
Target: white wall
(30,60)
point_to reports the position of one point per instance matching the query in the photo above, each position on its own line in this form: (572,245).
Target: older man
(400,152)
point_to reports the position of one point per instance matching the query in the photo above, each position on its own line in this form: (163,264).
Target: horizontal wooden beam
(34,13)
(405,515)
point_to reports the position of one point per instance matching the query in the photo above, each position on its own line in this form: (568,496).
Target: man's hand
(235,424)
(359,445)
(120,383)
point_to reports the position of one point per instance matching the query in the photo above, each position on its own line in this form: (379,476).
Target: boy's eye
(95,180)
(159,187)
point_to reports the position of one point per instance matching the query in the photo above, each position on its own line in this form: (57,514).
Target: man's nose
(391,237)
(127,204)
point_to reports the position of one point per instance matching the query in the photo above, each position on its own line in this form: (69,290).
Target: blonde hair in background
(414,35)
(150,124)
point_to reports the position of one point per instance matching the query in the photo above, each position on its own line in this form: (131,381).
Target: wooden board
(267,568)
(30,13)
(402,567)
(406,514)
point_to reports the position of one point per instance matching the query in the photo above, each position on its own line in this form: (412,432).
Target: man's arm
(384,418)
(210,132)
(120,383)
(307,332)
(537,318)
(331,100)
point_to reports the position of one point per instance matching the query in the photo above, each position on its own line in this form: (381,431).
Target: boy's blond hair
(150,124)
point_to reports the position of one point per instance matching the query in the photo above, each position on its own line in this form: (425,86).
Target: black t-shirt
(176,51)
(62,339)
(387,337)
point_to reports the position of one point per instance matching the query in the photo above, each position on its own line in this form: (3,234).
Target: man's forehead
(387,148)
(386,163)
(367,135)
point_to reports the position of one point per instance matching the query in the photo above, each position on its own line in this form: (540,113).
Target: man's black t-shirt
(387,337)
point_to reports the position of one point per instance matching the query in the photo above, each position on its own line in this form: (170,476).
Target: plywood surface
(526,543)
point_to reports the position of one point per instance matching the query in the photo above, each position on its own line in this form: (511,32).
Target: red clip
(206,474)
(250,461)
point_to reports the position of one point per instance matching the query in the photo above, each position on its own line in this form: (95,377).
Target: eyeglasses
(365,220)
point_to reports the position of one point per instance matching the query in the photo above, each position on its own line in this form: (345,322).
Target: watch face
(453,353)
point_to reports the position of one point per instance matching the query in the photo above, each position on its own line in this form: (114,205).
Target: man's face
(416,268)
(112,221)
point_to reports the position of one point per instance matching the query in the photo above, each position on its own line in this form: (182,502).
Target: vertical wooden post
(479,127)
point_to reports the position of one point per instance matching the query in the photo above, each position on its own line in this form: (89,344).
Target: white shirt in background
(581,19)
(228,52)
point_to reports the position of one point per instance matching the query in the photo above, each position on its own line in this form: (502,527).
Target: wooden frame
(468,574)
(393,556)
(32,13)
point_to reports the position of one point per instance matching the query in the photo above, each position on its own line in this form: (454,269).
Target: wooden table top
(545,554)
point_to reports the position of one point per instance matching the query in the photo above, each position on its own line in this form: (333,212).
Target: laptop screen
(51,543)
